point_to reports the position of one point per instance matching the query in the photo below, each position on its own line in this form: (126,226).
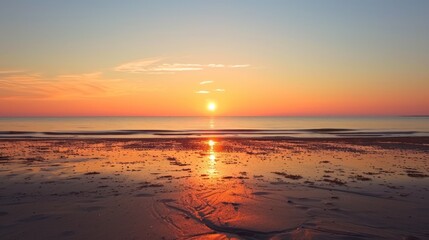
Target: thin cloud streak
(38,87)
(6,72)
(136,66)
(203,92)
(239,66)
(158,66)
(215,65)
(205,82)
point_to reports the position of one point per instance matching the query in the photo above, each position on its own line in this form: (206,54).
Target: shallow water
(144,127)
(214,188)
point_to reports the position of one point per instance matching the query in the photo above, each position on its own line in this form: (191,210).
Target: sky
(249,57)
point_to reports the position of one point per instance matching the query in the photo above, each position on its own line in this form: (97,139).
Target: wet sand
(202,188)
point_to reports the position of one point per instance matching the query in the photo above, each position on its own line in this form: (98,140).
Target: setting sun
(211,106)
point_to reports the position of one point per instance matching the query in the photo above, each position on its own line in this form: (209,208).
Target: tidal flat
(215,188)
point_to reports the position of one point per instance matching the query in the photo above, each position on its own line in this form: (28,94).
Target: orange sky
(170,59)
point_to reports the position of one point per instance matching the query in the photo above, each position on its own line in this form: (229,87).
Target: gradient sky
(251,57)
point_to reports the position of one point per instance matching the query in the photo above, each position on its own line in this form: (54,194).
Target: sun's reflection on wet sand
(214,187)
(212,159)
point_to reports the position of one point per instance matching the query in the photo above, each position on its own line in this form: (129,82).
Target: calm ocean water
(133,127)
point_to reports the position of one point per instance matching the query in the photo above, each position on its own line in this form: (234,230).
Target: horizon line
(321,115)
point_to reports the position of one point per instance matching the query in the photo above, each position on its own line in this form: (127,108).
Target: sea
(157,127)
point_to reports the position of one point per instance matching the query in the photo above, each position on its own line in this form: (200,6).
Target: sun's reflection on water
(212,159)
(211,123)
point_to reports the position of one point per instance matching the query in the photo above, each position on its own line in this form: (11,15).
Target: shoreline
(419,139)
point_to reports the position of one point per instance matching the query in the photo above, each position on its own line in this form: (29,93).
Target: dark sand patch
(289,176)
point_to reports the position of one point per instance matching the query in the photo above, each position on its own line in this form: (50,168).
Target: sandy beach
(223,188)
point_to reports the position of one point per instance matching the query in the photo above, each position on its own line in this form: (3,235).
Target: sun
(211,106)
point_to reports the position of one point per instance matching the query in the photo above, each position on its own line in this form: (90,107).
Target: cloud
(38,86)
(218,90)
(176,67)
(202,92)
(205,82)
(215,65)
(239,66)
(136,66)
(159,65)
(7,72)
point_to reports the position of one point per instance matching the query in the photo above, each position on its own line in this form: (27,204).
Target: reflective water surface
(139,127)
(214,188)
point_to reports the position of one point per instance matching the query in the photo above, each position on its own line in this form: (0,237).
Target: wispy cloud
(6,72)
(215,65)
(159,65)
(202,92)
(137,66)
(39,86)
(175,67)
(239,66)
(205,82)
(217,90)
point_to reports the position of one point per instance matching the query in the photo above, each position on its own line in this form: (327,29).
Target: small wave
(321,133)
